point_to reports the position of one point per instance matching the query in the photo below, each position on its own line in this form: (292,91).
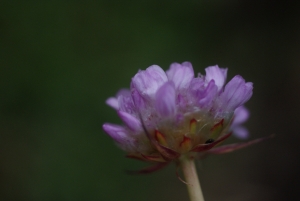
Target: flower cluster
(173,113)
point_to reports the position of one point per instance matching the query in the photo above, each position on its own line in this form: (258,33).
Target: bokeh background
(60,60)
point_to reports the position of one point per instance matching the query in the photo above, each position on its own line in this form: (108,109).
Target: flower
(173,113)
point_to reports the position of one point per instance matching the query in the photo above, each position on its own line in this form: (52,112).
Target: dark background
(60,60)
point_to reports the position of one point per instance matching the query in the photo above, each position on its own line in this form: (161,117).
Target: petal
(208,95)
(241,114)
(240,132)
(181,74)
(138,100)
(149,81)
(126,103)
(197,83)
(112,102)
(133,123)
(196,87)
(217,74)
(123,92)
(236,93)
(204,95)
(116,103)
(188,64)
(116,132)
(165,100)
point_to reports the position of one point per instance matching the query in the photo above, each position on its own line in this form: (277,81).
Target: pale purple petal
(208,95)
(147,82)
(121,136)
(126,103)
(203,95)
(165,100)
(217,74)
(182,101)
(116,132)
(132,122)
(241,114)
(113,102)
(195,90)
(188,64)
(123,92)
(138,100)
(197,86)
(236,93)
(181,74)
(240,132)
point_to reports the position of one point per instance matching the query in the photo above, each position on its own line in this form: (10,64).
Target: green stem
(190,174)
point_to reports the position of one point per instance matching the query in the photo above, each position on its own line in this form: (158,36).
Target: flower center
(194,129)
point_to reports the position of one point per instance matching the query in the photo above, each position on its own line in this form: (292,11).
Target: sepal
(233,147)
(205,147)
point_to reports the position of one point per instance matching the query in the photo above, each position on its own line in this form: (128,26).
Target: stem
(190,174)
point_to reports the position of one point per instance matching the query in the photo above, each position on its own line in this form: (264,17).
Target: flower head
(173,113)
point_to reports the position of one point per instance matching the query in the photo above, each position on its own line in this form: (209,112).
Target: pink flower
(168,114)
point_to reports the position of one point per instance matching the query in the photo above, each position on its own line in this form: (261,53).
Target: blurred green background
(60,60)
